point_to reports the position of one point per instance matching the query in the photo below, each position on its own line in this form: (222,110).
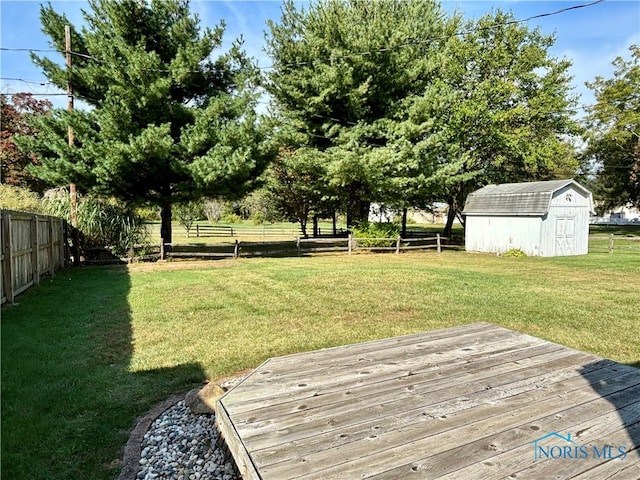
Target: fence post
(349,243)
(398,245)
(197,230)
(231,231)
(298,245)
(439,246)
(7,280)
(60,230)
(236,250)
(35,250)
(52,266)
(162,253)
(611,243)
(67,237)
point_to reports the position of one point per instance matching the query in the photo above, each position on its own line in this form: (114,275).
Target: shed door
(565,236)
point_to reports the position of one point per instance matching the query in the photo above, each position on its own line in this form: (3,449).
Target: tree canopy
(408,106)
(613,133)
(169,121)
(341,73)
(498,110)
(15,111)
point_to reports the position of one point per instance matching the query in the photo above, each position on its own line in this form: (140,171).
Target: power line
(34,82)
(37,94)
(351,55)
(462,32)
(29,50)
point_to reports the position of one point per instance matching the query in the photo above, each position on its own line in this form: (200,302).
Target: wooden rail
(630,244)
(32,246)
(230,231)
(301,246)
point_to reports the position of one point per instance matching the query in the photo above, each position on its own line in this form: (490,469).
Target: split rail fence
(230,231)
(303,246)
(619,243)
(31,246)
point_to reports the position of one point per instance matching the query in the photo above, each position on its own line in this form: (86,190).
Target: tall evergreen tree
(169,121)
(342,70)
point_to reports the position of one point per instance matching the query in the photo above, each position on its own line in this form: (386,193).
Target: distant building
(627,215)
(540,218)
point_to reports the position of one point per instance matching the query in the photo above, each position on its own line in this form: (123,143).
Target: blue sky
(590,37)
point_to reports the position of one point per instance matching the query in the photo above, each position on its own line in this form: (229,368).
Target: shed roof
(527,199)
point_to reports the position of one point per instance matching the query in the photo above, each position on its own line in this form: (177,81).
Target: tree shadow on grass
(69,398)
(622,391)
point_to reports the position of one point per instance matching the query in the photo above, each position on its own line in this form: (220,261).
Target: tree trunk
(364,210)
(451,216)
(303,225)
(165,226)
(404,223)
(335,223)
(315,226)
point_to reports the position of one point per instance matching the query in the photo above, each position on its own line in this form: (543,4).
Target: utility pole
(75,248)
(72,187)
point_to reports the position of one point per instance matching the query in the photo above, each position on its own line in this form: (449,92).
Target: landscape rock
(203,401)
(181,445)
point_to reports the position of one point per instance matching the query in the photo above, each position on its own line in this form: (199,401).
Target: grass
(91,349)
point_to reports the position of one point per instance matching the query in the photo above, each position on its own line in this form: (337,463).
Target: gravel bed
(182,446)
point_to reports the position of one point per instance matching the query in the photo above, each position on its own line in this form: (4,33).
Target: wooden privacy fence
(31,246)
(302,246)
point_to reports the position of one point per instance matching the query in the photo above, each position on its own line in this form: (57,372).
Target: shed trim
(519,199)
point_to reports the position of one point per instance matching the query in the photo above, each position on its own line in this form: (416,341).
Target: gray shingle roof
(529,198)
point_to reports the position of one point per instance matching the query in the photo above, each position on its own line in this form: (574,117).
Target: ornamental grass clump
(104,222)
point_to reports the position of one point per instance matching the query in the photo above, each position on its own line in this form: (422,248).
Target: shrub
(19,199)
(104,222)
(514,253)
(230,218)
(376,231)
(149,214)
(258,218)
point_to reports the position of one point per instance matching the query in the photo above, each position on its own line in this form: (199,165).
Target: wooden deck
(471,402)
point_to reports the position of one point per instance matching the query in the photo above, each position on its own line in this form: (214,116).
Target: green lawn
(94,347)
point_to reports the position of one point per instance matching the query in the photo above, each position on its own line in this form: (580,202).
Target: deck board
(460,403)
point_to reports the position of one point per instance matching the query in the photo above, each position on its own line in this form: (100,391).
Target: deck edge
(236,447)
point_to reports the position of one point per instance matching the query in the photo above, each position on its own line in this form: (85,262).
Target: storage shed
(540,218)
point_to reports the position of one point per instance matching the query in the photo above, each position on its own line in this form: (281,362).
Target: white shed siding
(570,197)
(565,228)
(502,217)
(501,234)
(552,231)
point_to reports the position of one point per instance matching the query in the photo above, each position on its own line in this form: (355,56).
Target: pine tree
(342,72)
(169,122)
